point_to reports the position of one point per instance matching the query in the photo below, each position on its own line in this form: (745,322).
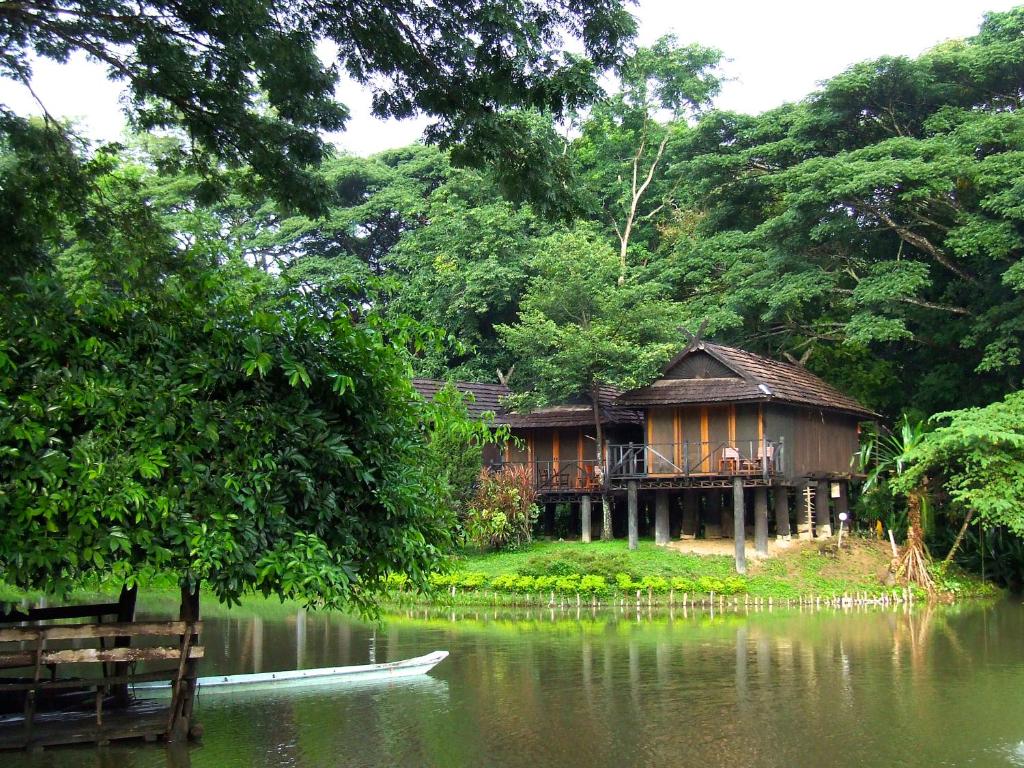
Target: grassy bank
(610,571)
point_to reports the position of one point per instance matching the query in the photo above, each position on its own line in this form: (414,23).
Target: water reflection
(581,686)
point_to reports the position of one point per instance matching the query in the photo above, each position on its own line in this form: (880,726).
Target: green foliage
(881,213)
(579,327)
(502,511)
(245,82)
(171,408)
(456,445)
(978,456)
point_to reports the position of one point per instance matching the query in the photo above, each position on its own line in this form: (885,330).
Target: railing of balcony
(728,457)
(554,476)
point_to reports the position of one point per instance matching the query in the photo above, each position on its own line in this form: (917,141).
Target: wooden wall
(816,442)
(707,425)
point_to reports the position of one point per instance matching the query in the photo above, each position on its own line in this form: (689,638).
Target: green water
(863,687)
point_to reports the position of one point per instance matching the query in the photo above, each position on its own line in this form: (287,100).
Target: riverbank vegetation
(207,332)
(609,571)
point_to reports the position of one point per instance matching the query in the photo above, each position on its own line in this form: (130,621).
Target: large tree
(245,82)
(166,406)
(877,223)
(579,328)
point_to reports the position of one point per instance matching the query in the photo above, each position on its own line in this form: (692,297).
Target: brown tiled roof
(579,412)
(486,397)
(760,379)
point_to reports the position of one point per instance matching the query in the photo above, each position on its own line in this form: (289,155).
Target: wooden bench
(35,654)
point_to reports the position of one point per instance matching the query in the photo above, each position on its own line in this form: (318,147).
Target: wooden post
(585,519)
(125,613)
(781,499)
(634,534)
(739,531)
(689,530)
(181,705)
(661,535)
(761,520)
(822,520)
(713,523)
(803,512)
(729,515)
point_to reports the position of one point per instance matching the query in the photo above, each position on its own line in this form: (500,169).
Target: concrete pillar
(739,533)
(634,534)
(781,499)
(713,514)
(585,519)
(689,514)
(761,520)
(822,519)
(803,519)
(661,517)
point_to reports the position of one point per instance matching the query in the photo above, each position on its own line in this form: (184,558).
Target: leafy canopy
(245,82)
(978,455)
(165,406)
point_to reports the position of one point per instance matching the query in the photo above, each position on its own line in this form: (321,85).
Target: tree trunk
(914,563)
(606,507)
(959,538)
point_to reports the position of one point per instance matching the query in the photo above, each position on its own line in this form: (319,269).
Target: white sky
(778,51)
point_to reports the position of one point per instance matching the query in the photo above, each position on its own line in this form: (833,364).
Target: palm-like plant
(884,455)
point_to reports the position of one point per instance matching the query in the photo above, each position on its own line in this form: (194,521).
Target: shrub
(545,583)
(579,562)
(681,584)
(502,511)
(569,584)
(506,582)
(593,584)
(471,580)
(656,584)
(396,581)
(625,582)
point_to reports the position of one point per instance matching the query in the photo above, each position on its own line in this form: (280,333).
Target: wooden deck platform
(140,720)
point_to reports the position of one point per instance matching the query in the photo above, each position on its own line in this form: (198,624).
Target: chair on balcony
(765,455)
(590,481)
(729,461)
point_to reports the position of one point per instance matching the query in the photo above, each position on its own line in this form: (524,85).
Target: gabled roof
(759,379)
(579,412)
(486,397)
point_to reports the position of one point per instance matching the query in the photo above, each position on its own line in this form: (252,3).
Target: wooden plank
(88,631)
(143,719)
(60,612)
(90,655)
(46,685)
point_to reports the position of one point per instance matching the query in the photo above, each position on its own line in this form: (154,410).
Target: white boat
(303,677)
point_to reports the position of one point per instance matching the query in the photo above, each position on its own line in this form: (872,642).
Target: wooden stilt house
(725,444)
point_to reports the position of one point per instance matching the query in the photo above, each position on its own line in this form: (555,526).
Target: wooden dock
(45,709)
(139,720)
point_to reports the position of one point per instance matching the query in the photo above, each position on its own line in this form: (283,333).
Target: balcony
(562,476)
(730,458)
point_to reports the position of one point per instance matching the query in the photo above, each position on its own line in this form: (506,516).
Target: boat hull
(307,677)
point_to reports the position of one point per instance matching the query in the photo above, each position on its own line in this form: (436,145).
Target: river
(939,686)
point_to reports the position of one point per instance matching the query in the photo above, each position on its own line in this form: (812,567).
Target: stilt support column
(761,520)
(803,512)
(585,519)
(781,499)
(634,526)
(822,520)
(689,514)
(661,535)
(739,530)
